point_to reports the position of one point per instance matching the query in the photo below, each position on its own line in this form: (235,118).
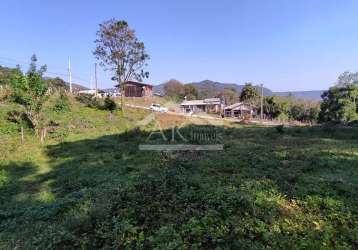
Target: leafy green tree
(30,91)
(270,107)
(290,108)
(249,94)
(120,51)
(339,104)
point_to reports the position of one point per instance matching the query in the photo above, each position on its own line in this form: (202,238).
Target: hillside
(314,95)
(90,187)
(210,88)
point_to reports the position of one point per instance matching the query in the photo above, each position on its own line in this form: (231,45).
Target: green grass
(90,187)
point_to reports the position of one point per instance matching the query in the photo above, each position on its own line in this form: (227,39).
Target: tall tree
(175,89)
(30,91)
(340,104)
(249,94)
(120,51)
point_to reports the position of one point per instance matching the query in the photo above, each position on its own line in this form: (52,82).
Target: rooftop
(209,101)
(238,106)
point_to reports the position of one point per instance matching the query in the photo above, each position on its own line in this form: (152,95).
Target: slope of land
(90,187)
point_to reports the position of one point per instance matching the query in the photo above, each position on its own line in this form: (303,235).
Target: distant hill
(209,88)
(58,83)
(314,95)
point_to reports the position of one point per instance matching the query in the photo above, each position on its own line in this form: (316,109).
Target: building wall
(148,91)
(201,108)
(131,90)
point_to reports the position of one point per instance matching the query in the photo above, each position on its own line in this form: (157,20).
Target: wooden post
(42,135)
(22,135)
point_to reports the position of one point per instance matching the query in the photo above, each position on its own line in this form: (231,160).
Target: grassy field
(90,187)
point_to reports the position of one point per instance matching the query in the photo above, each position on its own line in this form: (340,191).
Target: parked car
(158,108)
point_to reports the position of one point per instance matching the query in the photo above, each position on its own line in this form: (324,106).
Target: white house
(213,105)
(239,110)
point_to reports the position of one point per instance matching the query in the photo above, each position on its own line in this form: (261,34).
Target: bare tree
(119,50)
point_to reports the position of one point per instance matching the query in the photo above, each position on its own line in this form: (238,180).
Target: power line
(25,62)
(70,74)
(95,77)
(14,63)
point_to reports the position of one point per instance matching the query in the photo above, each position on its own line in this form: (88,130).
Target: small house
(137,89)
(210,105)
(239,110)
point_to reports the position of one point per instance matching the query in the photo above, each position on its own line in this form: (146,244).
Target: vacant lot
(89,186)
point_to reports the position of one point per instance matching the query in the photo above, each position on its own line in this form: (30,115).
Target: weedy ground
(89,186)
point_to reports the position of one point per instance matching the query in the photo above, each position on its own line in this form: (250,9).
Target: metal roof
(208,101)
(234,105)
(239,106)
(193,102)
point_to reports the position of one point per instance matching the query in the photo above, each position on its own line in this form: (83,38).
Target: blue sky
(286,45)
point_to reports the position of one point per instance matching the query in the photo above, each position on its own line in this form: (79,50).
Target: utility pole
(91,82)
(262,102)
(95,78)
(70,74)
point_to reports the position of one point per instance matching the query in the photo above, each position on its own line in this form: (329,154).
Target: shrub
(62,104)
(109,104)
(89,101)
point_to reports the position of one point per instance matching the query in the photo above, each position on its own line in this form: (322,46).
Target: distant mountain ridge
(211,88)
(314,95)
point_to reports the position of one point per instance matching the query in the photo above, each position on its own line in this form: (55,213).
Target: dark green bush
(90,101)
(109,104)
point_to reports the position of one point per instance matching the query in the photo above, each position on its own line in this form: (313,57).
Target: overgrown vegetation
(101,104)
(30,91)
(340,105)
(90,187)
(290,108)
(62,103)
